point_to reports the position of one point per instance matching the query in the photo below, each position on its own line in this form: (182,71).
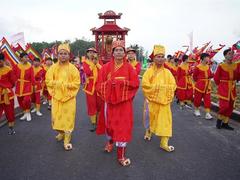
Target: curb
(235,114)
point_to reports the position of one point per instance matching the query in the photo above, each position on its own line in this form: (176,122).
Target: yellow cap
(158,49)
(64,46)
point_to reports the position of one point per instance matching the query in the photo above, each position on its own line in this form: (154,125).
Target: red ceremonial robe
(39,77)
(184,82)
(7,81)
(94,102)
(24,85)
(225,79)
(117,86)
(202,76)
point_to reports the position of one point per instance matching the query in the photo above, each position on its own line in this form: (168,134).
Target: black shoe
(49,107)
(219,124)
(226,126)
(11,131)
(93,129)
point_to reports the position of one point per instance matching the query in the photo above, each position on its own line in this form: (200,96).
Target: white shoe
(44,102)
(197,113)
(29,117)
(23,117)
(208,116)
(34,110)
(38,113)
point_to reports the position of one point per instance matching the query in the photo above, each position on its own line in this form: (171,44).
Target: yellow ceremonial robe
(63,82)
(158,85)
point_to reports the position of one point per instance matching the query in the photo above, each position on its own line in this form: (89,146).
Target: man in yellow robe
(158,86)
(63,82)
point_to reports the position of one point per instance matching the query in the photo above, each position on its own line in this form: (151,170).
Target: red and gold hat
(118,43)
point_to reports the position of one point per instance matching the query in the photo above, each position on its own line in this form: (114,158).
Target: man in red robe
(24,86)
(91,68)
(131,56)
(225,79)
(37,88)
(117,85)
(184,83)
(7,81)
(202,75)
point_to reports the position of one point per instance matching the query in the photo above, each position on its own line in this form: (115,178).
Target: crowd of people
(110,90)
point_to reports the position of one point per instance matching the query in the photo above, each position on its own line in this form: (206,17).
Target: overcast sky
(166,22)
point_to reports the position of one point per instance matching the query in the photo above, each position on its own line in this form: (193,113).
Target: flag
(45,54)
(54,51)
(9,53)
(195,55)
(17,49)
(209,50)
(17,39)
(186,49)
(32,53)
(236,49)
(213,52)
(190,36)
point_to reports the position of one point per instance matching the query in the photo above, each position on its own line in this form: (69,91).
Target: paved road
(202,151)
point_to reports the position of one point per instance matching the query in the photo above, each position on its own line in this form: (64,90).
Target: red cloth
(138,68)
(202,76)
(172,68)
(25,79)
(225,77)
(237,72)
(184,83)
(7,82)
(45,91)
(225,80)
(225,107)
(8,109)
(94,103)
(36,97)
(198,99)
(46,94)
(184,94)
(89,85)
(117,87)
(24,102)
(39,74)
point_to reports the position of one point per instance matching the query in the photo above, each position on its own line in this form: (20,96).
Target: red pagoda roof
(109,28)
